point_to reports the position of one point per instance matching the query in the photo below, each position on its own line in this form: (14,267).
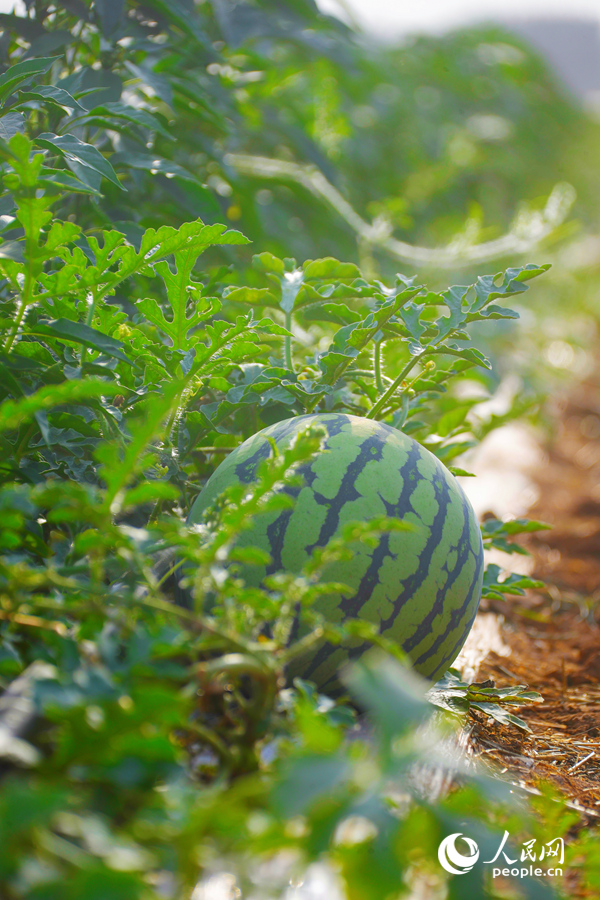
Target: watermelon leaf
(457,696)
(495,588)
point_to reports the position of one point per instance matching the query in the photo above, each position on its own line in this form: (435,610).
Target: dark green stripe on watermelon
(422,587)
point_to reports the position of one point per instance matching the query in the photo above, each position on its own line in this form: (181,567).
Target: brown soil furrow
(553,636)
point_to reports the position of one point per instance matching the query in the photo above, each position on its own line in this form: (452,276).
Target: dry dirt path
(551,640)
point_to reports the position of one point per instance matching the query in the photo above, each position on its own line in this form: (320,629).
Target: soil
(552,637)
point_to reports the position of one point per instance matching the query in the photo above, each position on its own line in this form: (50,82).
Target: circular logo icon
(453,861)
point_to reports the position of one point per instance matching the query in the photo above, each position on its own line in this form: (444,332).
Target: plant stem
(287,347)
(195,623)
(90,313)
(33,621)
(24,443)
(214,449)
(562,196)
(25,300)
(88,321)
(18,322)
(209,737)
(377,366)
(27,294)
(238,664)
(389,393)
(429,351)
(366,373)
(301,646)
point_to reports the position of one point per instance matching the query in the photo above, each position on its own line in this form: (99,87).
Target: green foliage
(228,110)
(496,534)
(452,693)
(145,746)
(495,586)
(62,324)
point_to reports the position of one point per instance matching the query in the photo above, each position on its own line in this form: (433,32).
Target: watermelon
(420,586)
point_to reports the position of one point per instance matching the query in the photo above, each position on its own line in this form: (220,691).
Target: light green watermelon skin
(422,586)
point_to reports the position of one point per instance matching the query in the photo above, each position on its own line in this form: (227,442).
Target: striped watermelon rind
(422,587)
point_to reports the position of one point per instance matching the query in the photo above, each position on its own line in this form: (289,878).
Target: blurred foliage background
(286,123)
(425,135)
